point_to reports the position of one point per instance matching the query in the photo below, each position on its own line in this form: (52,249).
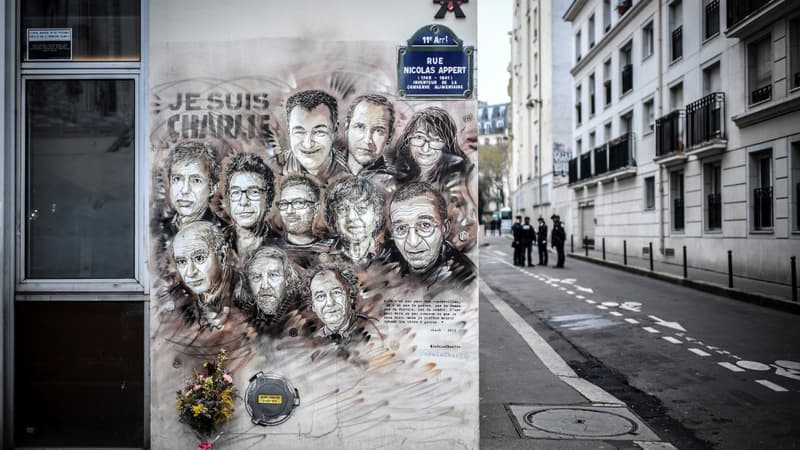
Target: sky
(495,19)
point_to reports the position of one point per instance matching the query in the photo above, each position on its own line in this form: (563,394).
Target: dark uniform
(558,237)
(516,232)
(528,236)
(541,242)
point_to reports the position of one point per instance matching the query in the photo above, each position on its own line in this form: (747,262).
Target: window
(761,187)
(577,46)
(676,194)
(676,30)
(626,122)
(794,190)
(81,271)
(578,106)
(607,131)
(647,40)
(650,193)
(676,96)
(712,185)
(759,70)
(794,53)
(626,67)
(606,15)
(648,116)
(592,138)
(712,81)
(711,15)
(607,80)
(591,95)
(591,31)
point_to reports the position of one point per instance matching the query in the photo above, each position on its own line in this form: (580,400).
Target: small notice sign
(49,44)
(435,64)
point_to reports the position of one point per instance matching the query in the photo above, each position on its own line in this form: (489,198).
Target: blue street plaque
(435,64)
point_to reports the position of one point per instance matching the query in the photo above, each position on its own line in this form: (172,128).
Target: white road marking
(591,302)
(699,352)
(671,339)
(771,385)
(664,323)
(569,280)
(650,329)
(571,292)
(500,253)
(788,373)
(615,313)
(731,367)
(580,297)
(563,288)
(583,289)
(602,307)
(611,304)
(753,365)
(651,445)
(791,365)
(633,321)
(554,363)
(632,306)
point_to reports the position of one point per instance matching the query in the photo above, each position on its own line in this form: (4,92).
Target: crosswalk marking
(671,339)
(650,329)
(632,321)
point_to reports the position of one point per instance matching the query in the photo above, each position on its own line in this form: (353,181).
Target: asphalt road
(703,371)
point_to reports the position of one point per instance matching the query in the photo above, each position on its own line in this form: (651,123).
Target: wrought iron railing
(620,152)
(601,159)
(677,43)
(573,170)
(761,94)
(669,133)
(712,18)
(738,10)
(627,78)
(705,119)
(714,211)
(762,208)
(677,213)
(586,165)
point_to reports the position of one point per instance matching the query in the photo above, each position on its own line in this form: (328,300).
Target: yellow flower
(198,409)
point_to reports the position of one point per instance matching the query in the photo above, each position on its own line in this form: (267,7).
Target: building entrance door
(587,226)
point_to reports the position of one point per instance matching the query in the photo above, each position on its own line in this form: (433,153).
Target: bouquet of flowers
(206,403)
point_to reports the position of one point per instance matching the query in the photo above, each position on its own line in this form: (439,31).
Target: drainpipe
(539,100)
(660,88)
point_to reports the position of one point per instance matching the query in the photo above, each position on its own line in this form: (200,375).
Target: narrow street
(702,371)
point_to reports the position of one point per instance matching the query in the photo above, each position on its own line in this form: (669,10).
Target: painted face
(297,209)
(197,264)
(368,132)
(247,198)
(356,221)
(311,136)
(329,299)
(189,188)
(426,148)
(418,231)
(267,282)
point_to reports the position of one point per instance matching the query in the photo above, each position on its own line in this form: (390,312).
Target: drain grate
(579,422)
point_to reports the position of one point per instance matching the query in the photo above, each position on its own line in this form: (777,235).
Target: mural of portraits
(317,225)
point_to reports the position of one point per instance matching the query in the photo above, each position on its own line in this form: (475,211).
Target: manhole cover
(580,422)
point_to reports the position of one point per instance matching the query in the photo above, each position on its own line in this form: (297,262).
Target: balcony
(612,161)
(669,138)
(705,125)
(600,159)
(677,43)
(714,211)
(712,19)
(761,94)
(747,17)
(586,166)
(573,170)
(620,152)
(627,78)
(762,208)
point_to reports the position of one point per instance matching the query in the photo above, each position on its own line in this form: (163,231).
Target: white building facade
(687,128)
(541,98)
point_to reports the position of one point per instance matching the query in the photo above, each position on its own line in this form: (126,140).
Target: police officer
(557,238)
(516,232)
(541,242)
(528,236)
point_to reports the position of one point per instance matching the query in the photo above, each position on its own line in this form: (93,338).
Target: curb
(712,288)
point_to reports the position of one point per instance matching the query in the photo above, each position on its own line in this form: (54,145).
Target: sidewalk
(521,377)
(773,295)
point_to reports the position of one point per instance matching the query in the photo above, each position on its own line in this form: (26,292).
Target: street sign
(435,64)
